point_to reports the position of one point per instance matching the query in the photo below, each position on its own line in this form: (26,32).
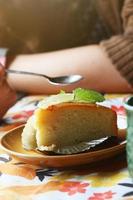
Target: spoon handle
(25,72)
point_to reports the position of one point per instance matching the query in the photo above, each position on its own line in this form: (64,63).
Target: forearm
(90,61)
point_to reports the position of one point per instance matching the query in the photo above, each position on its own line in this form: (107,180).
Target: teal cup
(128,104)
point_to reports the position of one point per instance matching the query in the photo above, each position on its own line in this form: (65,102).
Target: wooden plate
(11,144)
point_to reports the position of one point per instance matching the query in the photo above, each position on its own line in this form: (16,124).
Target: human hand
(7,94)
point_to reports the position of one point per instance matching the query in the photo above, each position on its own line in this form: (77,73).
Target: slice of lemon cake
(68,119)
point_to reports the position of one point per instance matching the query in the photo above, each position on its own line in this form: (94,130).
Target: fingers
(2,71)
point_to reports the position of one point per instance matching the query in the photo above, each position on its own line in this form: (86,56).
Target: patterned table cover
(104,180)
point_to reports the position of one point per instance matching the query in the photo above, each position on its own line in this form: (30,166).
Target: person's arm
(100,65)
(7,94)
(120,48)
(89,61)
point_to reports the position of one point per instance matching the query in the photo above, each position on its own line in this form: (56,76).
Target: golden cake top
(78,95)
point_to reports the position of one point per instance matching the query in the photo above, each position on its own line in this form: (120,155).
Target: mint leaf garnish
(85,95)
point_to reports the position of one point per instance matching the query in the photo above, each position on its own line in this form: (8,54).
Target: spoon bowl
(65,80)
(58,80)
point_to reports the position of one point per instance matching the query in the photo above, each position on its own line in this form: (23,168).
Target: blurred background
(30,26)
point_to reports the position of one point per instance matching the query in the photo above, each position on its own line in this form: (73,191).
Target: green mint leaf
(85,95)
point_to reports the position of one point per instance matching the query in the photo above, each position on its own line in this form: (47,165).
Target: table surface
(106,179)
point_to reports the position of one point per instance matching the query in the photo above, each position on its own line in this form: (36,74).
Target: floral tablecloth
(107,179)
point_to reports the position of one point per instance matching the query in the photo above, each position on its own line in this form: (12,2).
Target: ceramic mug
(128,104)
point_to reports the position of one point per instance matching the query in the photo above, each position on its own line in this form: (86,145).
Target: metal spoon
(59,80)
